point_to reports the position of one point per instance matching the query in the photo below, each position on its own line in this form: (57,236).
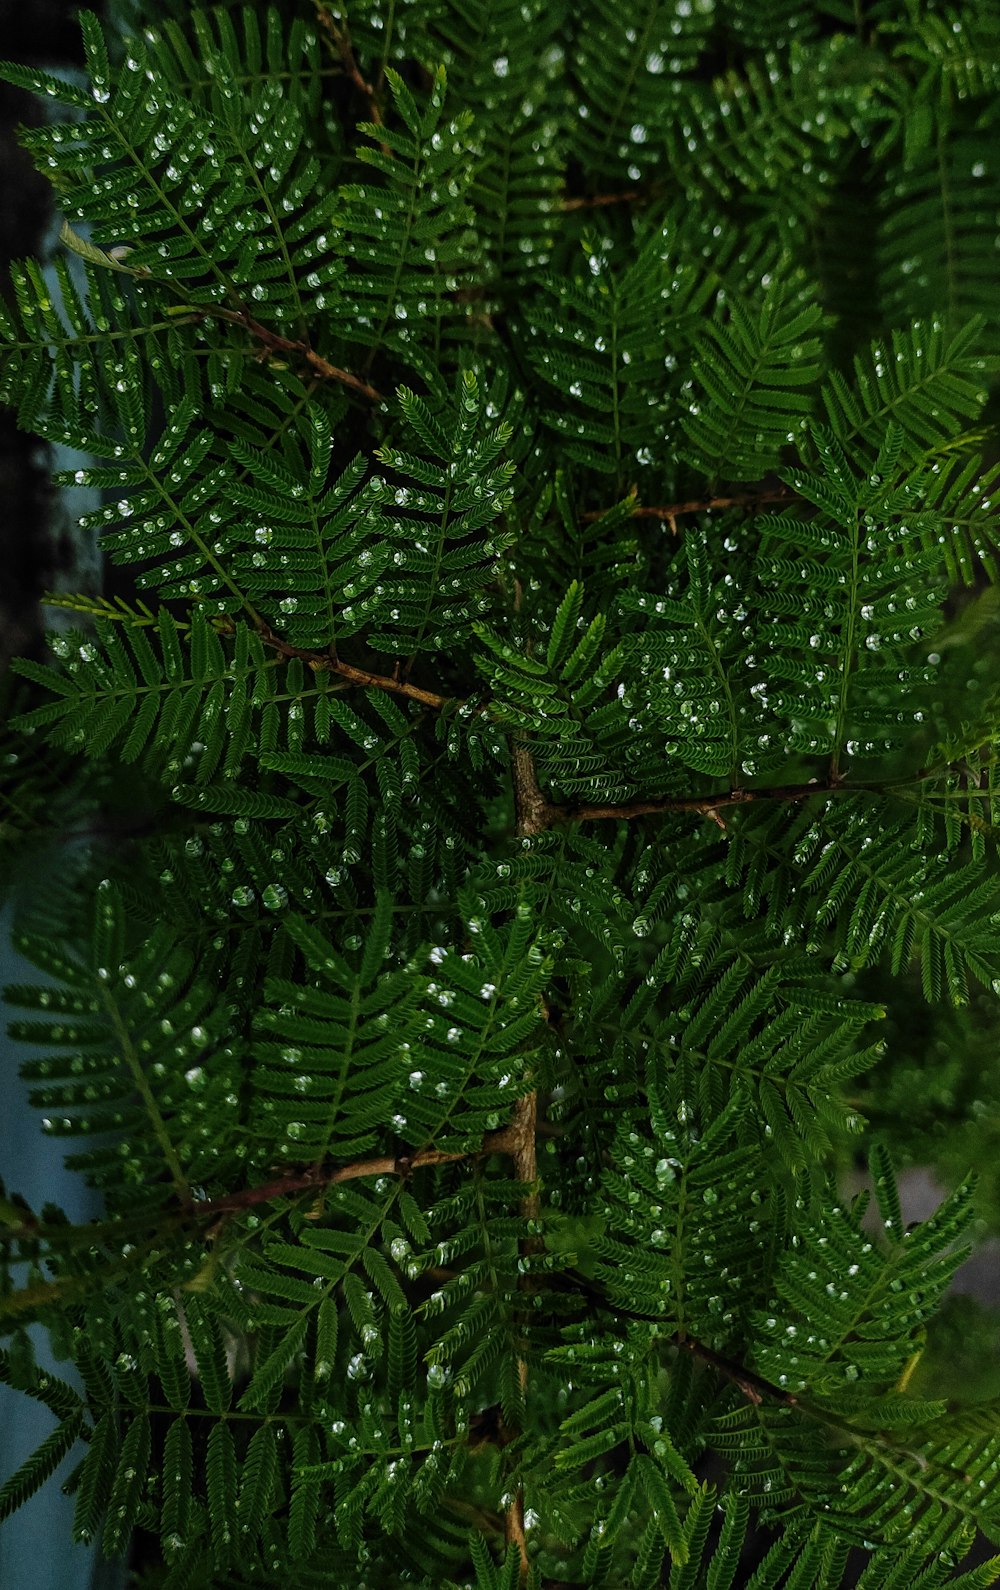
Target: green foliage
(557,721)
(606,343)
(745,379)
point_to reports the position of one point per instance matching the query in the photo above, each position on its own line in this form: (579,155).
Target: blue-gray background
(38,550)
(36,1548)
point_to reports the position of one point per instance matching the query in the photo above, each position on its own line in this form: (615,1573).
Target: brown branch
(340,39)
(514,1531)
(710,805)
(316,1177)
(399,687)
(509,1140)
(678,510)
(521,1136)
(752,1386)
(275,343)
(534,812)
(703,805)
(595,201)
(519,1143)
(325,662)
(540,814)
(533,815)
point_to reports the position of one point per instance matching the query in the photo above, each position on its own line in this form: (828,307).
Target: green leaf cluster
(553,454)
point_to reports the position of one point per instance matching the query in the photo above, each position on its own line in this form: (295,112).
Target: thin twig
(545,814)
(594,201)
(506,1141)
(532,817)
(399,687)
(275,343)
(672,511)
(354,73)
(754,1387)
(703,805)
(317,1178)
(710,805)
(522,1130)
(340,39)
(325,662)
